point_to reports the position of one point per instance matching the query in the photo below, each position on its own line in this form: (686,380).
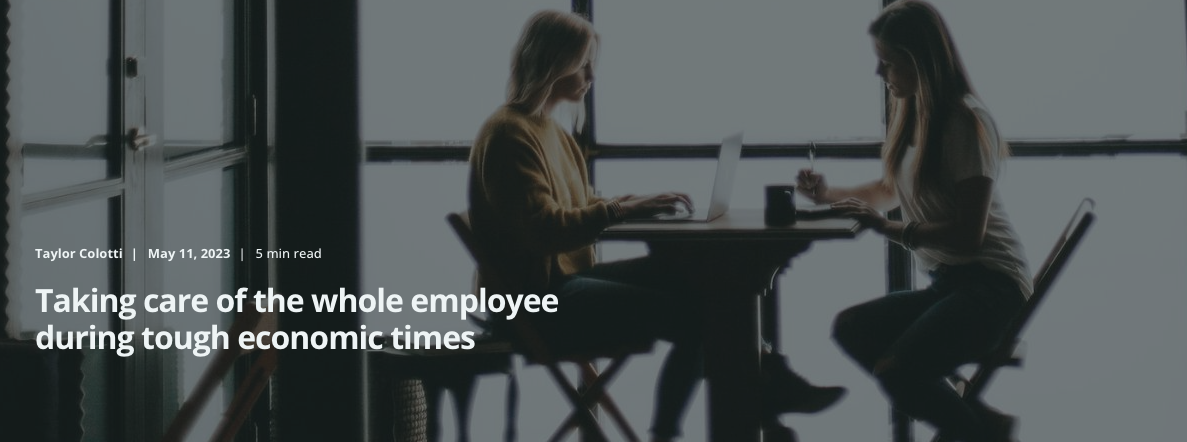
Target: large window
(1106,83)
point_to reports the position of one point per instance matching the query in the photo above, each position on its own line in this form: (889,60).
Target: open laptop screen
(728,156)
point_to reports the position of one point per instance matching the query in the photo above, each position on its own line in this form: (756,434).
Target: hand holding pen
(808,182)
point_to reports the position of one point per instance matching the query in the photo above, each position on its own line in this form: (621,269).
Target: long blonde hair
(916,29)
(553,44)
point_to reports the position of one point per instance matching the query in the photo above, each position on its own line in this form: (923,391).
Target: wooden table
(734,259)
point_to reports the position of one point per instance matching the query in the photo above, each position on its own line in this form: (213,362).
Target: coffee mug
(780,209)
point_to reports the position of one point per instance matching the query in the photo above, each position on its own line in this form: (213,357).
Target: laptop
(728,156)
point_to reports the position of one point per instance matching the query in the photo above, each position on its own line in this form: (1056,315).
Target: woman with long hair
(531,202)
(942,156)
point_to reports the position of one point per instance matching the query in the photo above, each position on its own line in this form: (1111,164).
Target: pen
(812,163)
(812,157)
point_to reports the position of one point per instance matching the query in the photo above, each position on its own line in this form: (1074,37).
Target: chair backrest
(1004,354)
(527,340)
(1049,271)
(460,222)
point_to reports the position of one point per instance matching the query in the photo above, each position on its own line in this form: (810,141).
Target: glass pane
(73,231)
(416,88)
(58,247)
(197,76)
(674,71)
(409,251)
(1064,68)
(197,218)
(1103,340)
(59,91)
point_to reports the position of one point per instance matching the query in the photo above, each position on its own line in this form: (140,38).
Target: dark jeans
(909,341)
(624,301)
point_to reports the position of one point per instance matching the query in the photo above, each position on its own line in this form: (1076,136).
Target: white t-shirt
(964,158)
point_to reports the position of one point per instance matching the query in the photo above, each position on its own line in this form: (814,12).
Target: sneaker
(785,391)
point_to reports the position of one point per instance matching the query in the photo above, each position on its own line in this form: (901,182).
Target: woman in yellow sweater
(532,204)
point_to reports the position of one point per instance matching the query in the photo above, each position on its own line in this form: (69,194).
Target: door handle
(139,139)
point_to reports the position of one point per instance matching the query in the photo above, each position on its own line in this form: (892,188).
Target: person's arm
(812,185)
(644,206)
(972,161)
(630,206)
(876,193)
(516,182)
(972,157)
(964,233)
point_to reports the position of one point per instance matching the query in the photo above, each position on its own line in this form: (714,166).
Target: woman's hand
(644,206)
(863,213)
(811,185)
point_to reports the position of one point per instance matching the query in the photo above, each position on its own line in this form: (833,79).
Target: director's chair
(528,342)
(1007,353)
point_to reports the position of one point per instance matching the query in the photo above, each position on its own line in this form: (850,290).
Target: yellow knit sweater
(531,204)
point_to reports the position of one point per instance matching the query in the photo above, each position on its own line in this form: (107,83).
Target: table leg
(901,427)
(732,368)
(731,275)
(770,311)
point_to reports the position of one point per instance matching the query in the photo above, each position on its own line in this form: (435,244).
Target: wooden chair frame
(1007,353)
(529,343)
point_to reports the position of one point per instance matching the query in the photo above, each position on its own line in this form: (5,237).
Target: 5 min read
(282,254)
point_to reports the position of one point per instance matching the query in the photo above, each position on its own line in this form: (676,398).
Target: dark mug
(780,209)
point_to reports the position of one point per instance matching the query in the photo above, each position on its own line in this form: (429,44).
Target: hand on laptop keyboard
(656,204)
(682,209)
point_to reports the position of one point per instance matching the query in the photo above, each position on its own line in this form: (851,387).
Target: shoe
(785,391)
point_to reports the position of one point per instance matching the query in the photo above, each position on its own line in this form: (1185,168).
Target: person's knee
(886,367)
(846,328)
